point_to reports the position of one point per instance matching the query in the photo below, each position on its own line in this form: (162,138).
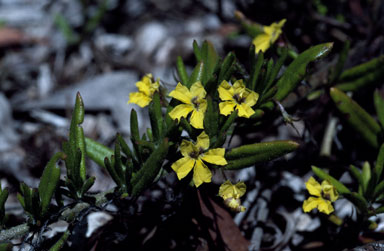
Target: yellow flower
(231,195)
(194,155)
(146,90)
(194,101)
(237,96)
(271,33)
(325,194)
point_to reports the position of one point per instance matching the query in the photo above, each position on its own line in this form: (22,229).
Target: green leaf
(145,176)
(357,174)
(362,69)
(356,117)
(379,105)
(227,67)
(254,84)
(197,74)
(182,72)
(379,189)
(371,78)
(296,71)
(196,51)
(211,117)
(268,150)
(97,152)
(48,182)
(156,117)
(366,175)
(325,176)
(247,155)
(210,59)
(379,164)
(336,71)
(112,172)
(276,68)
(222,135)
(88,184)
(124,147)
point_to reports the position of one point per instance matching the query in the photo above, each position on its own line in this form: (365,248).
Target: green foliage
(357,117)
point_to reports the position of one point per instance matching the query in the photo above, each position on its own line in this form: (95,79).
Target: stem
(67,215)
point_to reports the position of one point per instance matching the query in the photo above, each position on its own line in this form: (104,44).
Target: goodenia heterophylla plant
(154,151)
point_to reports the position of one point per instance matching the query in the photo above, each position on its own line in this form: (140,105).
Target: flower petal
(215,156)
(197,119)
(226,190)
(240,189)
(197,90)
(183,166)
(227,107)
(329,191)
(238,86)
(139,98)
(180,111)
(251,98)
(144,84)
(201,173)
(202,141)
(310,204)
(187,148)
(225,91)
(245,110)
(325,206)
(262,42)
(313,187)
(182,94)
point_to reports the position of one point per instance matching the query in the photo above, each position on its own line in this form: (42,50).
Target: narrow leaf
(356,117)
(379,105)
(97,152)
(296,71)
(182,72)
(48,182)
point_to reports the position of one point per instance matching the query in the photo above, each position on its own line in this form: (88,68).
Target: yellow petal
(144,85)
(226,190)
(202,141)
(234,205)
(225,91)
(182,94)
(239,86)
(325,206)
(139,98)
(186,148)
(329,191)
(197,90)
(245,110)
(251,98)
(201,173)
(262,42)
(215,156)
(313,187)
(310,204)
(183,166)
(197,119)
(180,111)
(240,189)
(227,107)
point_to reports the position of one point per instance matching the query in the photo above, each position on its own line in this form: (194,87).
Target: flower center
(239,99)
(196,153)
(325,195)
(195,103)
